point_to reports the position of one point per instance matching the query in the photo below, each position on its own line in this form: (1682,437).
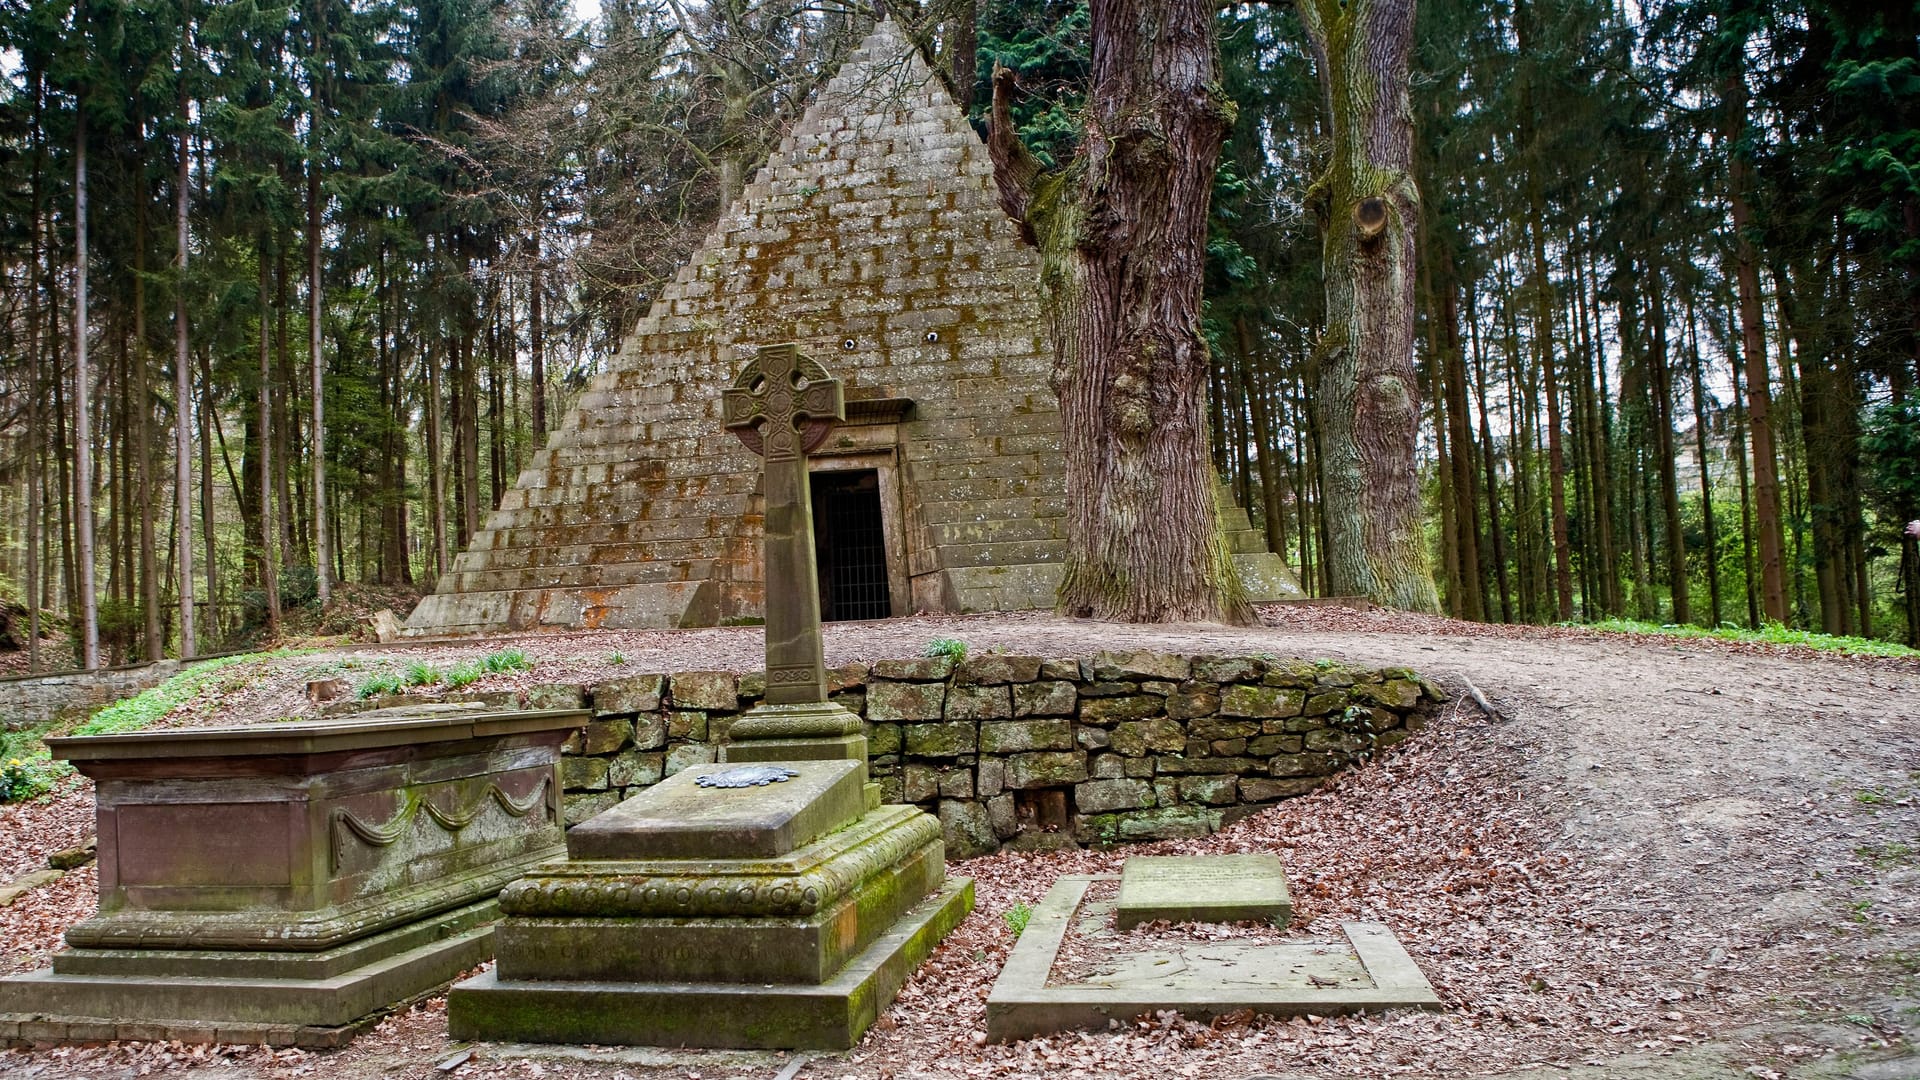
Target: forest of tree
(288,293)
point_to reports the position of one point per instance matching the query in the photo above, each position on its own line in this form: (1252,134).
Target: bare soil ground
(1660,860)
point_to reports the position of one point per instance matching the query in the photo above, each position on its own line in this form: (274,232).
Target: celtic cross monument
(782,406)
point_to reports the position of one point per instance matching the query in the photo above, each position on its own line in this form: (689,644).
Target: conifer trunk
(1369,398)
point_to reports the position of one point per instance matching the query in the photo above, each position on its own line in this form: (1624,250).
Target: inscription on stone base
(1203,888)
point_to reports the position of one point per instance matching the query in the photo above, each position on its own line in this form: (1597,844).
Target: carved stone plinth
(300,875)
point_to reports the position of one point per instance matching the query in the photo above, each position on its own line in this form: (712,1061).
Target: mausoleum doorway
(850,544)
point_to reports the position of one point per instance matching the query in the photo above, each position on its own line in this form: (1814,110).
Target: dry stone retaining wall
(1021,749)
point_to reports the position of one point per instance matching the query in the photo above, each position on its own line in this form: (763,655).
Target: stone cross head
(783,404)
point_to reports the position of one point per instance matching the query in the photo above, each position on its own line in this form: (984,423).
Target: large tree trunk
(322,551)
(1122,235)
(82,410)
(182,381)
(1753,339)
(269,564)
(1369,208)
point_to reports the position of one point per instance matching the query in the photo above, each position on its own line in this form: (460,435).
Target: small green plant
(504,661)
(1887,855)
(26,778)
(1870,796)
(951,648)
(1017,917)
(384,683)
(421,673)
(463,675)
(616,658)
(1361,723)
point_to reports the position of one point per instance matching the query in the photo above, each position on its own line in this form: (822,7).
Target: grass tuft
(952,648)
(464,674)
(1770,634)
(421,673)
(505,660)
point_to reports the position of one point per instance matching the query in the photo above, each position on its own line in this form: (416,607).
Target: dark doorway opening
(850,545)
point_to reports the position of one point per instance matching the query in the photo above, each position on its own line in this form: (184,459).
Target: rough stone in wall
(873,236)
(1021,749)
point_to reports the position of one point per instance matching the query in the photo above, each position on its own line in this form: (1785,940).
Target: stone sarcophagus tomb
(281,882)
(874,237)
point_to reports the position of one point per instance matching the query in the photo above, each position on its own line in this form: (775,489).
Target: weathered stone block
(635,769)
(1260,701)
(967,828)
(956,784)
(1217,728)
(949,738)
(1285,765)
(1213,766)
(1046,769)
(687,756)
(1227,747)
(979,703)
(584,774)
(1211,790)
(1228,669)
(704,690)
(1296,674)
(1321,704)
(1257,790)
(1108,689)
(1060,669)
(649,731)
(893,701)
(1142,665)
(1109,766)
(1014,736)
(582,806)
(606,736)
(922,784)
(883,739)
(689,724)
(1054,698)
(1164,823)
(1108,710)
(845,677)
(991,668)
(1190,700)
(1102,796)
(990,777)
(1266,746)
(551,696)
(638,694)
(1093,738)
(1136,738)
(1329,741)
(1000,811)
(918,669)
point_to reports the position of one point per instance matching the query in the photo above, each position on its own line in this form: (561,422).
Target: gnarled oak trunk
(1122,235)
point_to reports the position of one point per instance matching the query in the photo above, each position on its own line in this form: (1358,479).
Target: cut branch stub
(1370,219)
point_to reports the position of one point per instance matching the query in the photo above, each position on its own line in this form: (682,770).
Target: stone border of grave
(1023,750)
(1021,1005)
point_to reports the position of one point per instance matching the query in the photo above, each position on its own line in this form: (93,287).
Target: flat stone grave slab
(1073,969)
(727,811)
(1203,888)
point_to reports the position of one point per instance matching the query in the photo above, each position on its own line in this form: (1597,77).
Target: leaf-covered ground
(1665,858)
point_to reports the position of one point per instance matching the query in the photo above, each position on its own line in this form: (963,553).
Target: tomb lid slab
(1203,888)
(679,818)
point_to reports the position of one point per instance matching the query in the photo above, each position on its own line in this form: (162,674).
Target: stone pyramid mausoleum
(874,238)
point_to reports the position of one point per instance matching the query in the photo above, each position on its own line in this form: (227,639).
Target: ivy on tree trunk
(1122,234)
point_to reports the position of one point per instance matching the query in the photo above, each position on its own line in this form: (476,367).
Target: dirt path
(1663,860)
